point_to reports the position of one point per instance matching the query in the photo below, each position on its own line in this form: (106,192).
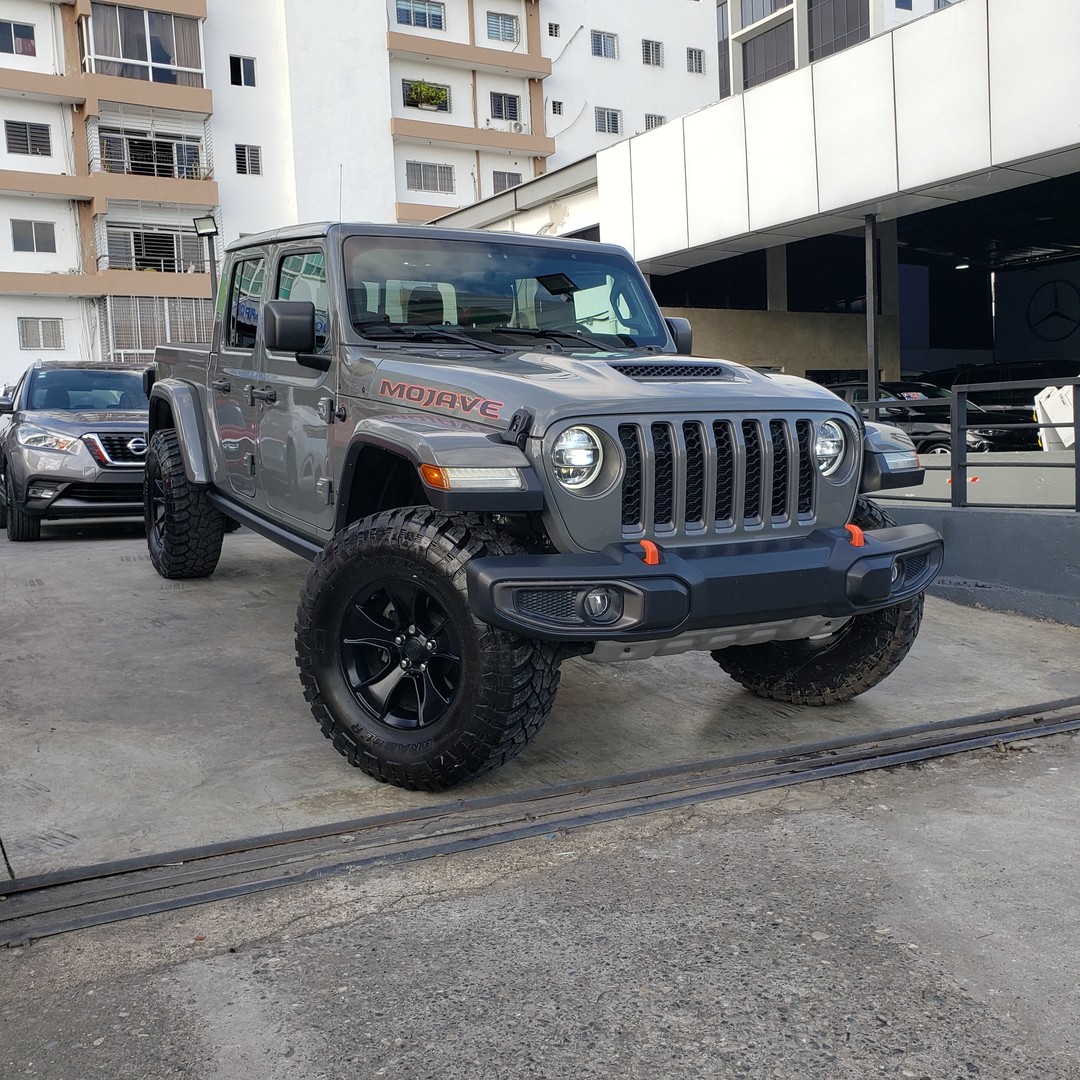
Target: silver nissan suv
(72,444)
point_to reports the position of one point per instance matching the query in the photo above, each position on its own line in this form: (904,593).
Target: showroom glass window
(769,54)
(836,25)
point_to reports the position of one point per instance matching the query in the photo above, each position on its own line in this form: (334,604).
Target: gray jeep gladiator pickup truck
(499,454)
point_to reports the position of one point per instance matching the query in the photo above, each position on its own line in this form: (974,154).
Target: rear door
(294,425)
(234,373)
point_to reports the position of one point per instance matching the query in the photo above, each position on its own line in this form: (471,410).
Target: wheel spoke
(378,676)
(429,696)
(372,626)
(442,654)
(404,595)
(383,690)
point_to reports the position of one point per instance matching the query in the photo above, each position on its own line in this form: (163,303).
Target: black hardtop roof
(320,229)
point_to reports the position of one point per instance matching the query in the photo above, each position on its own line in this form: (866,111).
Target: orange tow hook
(652,553)
(857,538)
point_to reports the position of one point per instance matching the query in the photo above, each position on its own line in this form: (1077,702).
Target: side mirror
(6,405)
(683,334)
(289,326)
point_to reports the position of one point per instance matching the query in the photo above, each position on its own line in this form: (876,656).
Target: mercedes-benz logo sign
(1053,311)
(138,446)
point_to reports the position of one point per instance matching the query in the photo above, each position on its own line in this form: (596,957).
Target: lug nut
(399,640)
(412,629)
(431,646)
(423,667)
(404,665)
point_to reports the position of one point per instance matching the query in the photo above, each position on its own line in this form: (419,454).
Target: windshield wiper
(422,332)
(554,335)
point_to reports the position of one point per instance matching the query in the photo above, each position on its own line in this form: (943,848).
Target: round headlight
(576,458)
(830,447)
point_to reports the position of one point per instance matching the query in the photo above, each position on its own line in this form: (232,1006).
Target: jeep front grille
(702,476)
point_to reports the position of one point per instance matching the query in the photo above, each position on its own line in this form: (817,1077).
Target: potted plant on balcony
(427,95)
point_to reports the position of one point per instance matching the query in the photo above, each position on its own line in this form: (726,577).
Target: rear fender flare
(175,404)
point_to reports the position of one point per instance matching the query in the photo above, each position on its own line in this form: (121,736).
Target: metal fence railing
(960,422)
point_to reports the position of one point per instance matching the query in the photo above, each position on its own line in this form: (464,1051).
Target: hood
(490,388)
(76,423)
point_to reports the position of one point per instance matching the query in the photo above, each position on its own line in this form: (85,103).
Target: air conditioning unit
(517,127)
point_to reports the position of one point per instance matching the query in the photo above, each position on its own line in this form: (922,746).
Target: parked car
(73,439)
(930,426)
(1044,371)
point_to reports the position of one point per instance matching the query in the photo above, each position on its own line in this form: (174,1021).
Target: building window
(17,38)
(939,4)
(608,121)
(134,325)
(652,53)
(753,10)
(149,45)
(505,106)
(245,303)
(768,55)
(33,139)
(242,70)
(33,235)
(556,108)
(654,120)
(426,176)
(505,180)
(695,61)
(605,44)
(248,160)
(41,333)
(553,29)
(724,50)
(836,25)
(418,94)
(904,5)
(422,13)
(142,154)
(501,27)
(168,250)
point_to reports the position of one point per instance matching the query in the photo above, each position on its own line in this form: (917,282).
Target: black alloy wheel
(401,654)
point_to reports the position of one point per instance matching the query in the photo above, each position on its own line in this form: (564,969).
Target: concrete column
(776,277)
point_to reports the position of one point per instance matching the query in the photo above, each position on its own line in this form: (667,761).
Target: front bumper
(116,493)
(715,586)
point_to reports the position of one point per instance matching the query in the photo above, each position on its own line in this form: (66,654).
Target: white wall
(582,81)
(339,71)
(892,16)
(79,331)
(57,117)
(48,36)
(256,115)
(463,161)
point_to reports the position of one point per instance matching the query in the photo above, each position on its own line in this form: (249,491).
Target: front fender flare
(172,399)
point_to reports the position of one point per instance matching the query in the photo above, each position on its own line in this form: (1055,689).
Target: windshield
(76,390)
(497,293)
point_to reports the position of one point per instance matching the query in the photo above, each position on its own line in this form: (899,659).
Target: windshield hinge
(517,431)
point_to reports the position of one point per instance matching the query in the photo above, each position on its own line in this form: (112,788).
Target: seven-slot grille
(697,476)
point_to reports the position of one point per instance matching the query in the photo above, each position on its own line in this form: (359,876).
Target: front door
(294,428)
(234,374)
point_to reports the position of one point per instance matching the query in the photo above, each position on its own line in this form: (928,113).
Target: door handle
(223,385)
(265,393)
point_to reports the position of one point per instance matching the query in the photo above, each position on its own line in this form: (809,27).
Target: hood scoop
(652,370)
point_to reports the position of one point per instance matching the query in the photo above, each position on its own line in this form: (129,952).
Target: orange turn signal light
(435,477)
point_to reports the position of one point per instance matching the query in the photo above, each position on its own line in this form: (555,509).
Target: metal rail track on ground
(48,904)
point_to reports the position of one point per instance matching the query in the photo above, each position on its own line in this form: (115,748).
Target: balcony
(470,138)
(470,57)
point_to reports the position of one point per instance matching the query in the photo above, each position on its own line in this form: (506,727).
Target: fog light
(603,605)
(897,571)
(38,492)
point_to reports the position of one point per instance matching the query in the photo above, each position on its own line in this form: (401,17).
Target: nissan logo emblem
(138,446)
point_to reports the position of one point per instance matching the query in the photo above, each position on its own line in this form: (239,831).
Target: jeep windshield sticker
(427,397)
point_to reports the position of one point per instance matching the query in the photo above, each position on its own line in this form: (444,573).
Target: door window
(303,277)
(245,303)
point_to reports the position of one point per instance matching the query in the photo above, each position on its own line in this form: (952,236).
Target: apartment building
(386,110)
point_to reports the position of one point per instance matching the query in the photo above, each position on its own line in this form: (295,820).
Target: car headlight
(830,447)
(38,438)
(576,458)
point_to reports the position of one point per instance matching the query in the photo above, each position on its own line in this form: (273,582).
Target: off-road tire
(505,684)
(853,660)
(20,525)
(183,531)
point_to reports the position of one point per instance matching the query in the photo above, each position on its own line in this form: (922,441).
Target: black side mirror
(289,326)
(683,334)
(6,405)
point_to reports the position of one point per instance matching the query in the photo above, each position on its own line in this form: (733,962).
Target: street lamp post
(207,226)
